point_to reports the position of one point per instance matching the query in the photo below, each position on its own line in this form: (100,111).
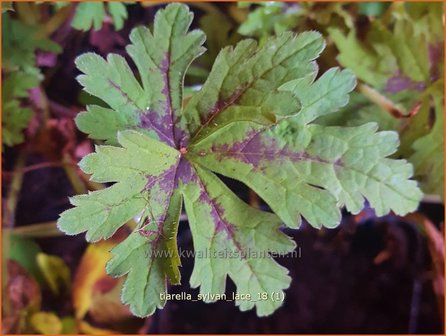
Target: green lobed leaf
(401,57)
(92,15)
(162,59)
(373,65)
(323,96)
(14,120)
(102,212)
(118,13)
(144,170)
(19,44)
(288,165)
(87,15)
(244,83)
(268,18)
(217,37)
(17,84)
(250,121)
(401,50)
(428,158)
(148,264)
(236,240)
(15,117)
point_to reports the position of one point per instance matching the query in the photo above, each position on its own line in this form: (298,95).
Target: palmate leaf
(250,121)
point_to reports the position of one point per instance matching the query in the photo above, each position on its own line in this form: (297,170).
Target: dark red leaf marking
(257,148)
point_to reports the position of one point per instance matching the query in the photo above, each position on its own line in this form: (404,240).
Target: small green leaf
(268,18)
(14,120)
(92,15)
(24,251)
(428,158)
(89,14)
(19,44)
(376,65)
(118,13)
(17,85)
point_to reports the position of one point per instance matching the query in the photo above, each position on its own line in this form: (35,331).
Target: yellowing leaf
(69,326)
(55,272)
(46,323)
(106,306)
(91,269)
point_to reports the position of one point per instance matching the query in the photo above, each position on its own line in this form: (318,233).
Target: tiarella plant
(251,121)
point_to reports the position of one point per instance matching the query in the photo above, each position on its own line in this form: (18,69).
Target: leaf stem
(56,20)
(9,215)
(72,174)
(14,190)
(383,102)
(39,230)
(435,242)
(36,166)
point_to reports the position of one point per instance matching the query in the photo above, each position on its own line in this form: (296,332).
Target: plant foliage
(404,61)
(92,14)
(19,44)
(252,121)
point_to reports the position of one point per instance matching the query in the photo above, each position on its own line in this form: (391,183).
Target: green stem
(71,171)
(56,20)
(14,190)
(380,100)
(39,230)
(9,219)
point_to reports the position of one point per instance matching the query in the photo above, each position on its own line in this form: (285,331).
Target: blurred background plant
(54,284)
